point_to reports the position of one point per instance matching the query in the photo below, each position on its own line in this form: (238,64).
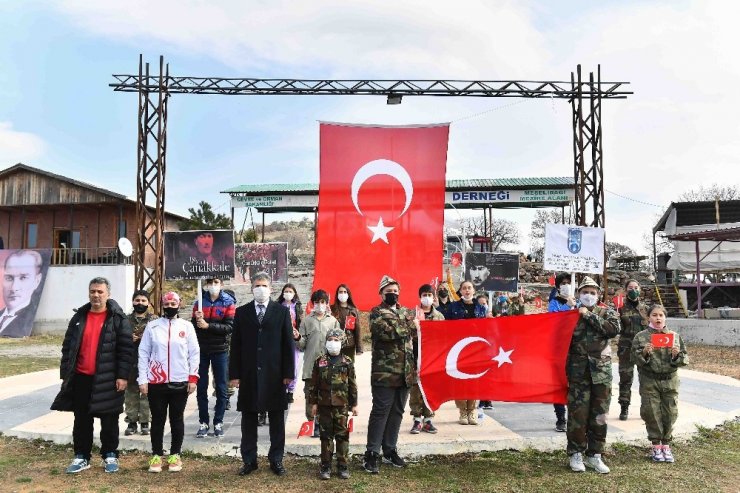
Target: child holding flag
(658,352)
(332,395)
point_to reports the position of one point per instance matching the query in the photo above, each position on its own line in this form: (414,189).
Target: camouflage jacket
(660,360)
(516,308)
(392,332)
(590,352)
(333,384)
(633,318)
(139,324)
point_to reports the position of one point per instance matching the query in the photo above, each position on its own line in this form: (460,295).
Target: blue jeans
(220,362)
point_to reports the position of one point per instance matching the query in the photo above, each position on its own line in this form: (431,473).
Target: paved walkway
(705,400)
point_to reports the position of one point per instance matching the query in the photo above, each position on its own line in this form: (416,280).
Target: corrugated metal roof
(483,183)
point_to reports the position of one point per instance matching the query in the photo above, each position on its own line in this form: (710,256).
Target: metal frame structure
(154,91)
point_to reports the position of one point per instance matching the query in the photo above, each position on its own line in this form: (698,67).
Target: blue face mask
(502,299)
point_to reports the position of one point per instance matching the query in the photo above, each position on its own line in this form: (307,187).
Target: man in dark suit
(261,365)
(21,276)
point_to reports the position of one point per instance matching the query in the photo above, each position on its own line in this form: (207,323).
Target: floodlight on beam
(394,98)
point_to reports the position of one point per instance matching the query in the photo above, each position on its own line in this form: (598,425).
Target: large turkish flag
(513,359)
(381,209)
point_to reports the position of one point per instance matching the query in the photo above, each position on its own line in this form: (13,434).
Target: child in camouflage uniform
(657,368)
(137,404)
(332,395)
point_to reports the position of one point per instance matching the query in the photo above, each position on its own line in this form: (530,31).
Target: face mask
(467,298)
(343,297)
(333,347)
(588,300)
(261,293)
(502,299)
(170,311)
(390,299)
(319,308)
(564,290)
(426,301)
(139,308)
(214,290)
(288,296)
(633,294)
(442,294)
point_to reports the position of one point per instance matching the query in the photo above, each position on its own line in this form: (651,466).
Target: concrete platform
(704,400)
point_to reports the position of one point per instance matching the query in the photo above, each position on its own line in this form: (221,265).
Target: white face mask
(467,298)
(214,290)
(288,296)
(343,297)
(333,347)
(261,293)
(319,308)
(426,301)
(564,290)
(588,300)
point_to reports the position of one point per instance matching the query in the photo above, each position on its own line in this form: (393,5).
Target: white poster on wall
(570,248)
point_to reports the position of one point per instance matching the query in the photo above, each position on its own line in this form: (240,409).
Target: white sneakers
(596,464)
(576,462)
(668,454)
(657,453)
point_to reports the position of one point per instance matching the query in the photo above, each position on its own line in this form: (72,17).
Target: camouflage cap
(338,333)
(387,281)
(587,282)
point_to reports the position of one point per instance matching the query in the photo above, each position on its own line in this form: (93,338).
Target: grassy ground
(50,339)
(25,364)
(709,462)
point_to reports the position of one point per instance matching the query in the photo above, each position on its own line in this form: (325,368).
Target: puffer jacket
(219,314)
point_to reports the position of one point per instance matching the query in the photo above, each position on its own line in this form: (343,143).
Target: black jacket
(220,317)
(113,361)
(261,357)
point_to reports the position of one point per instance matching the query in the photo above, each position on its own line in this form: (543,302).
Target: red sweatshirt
(87,357)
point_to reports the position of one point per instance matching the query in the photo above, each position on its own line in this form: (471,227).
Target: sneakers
(130,429)
(370,462)
(79,464)
(290,397)
(473,417)
(596,464)
(487,405)
(110,462)
(218,430)
(174,463)
(576,462)
(325,471)
(416,428)
(429,428)
(657,454)
(668,453)
(624,412)
(463,417)
(155,464)
(393,459)
(343,471)
(560,425)
(202,431)
(144,429)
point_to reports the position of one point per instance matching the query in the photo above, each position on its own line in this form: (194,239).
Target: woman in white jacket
(168,373)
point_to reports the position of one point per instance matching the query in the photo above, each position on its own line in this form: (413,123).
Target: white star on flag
(380,231)
(503,357)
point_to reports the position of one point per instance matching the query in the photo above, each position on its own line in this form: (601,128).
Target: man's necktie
(260,312)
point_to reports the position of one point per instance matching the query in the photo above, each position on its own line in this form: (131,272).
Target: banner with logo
(381,208)
(23,274)
(252,258)
(199,254)
(570,248)
(490,271)
(511,359)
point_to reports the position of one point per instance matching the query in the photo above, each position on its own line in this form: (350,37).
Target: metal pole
(700,312)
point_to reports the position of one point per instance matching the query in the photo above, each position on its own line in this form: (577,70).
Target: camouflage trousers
(333,427)
(417,405)
(136,404)
(626,370)
(659,408)
(588,408)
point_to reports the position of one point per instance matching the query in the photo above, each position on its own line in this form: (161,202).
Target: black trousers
(82,431)
(161,398)
(249,436)
(385,418)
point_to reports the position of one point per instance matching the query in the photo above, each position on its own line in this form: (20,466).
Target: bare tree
(712,192)
(501,231)
(543,217)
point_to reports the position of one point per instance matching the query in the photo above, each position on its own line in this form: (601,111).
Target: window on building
(122,228)
(32,235)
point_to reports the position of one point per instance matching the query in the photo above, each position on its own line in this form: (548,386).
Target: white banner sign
(509,196)
(571,248)
(274,201)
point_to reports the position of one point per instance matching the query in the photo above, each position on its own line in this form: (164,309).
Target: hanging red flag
(513,359)
(381,208)
(306,429)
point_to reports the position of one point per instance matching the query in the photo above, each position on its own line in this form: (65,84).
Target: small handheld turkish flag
(349,322)
(306,429)
(351,424)
(662,340)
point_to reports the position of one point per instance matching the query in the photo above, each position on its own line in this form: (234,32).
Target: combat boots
(625,411)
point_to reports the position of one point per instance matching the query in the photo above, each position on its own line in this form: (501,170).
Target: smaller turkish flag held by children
(306,429)
(351,424)
(349,322)
(662,340)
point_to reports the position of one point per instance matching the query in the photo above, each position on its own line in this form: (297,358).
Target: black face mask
(170,311)
(139,308)
(442,294)
(390,299)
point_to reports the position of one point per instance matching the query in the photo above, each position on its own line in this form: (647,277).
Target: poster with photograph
(490,271)
(199,254)
(252,258)
(23,276)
